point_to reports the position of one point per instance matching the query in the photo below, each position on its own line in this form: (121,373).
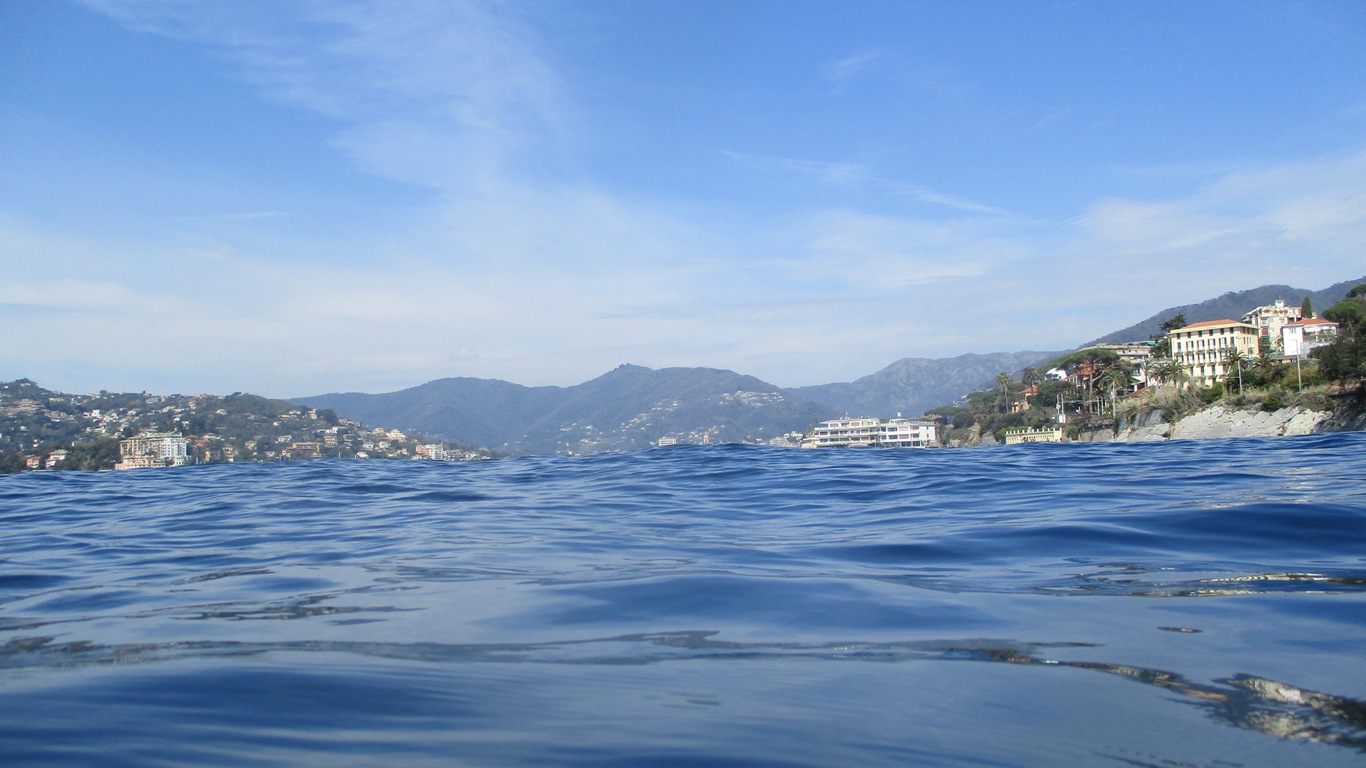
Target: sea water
(1168,604)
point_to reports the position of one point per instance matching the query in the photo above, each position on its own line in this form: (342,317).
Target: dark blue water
(1170,604)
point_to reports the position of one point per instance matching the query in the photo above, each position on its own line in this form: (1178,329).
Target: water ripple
(535,602)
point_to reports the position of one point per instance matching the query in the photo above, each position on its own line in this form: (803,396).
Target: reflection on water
(1257,704)
(1137,581)
(1267,706)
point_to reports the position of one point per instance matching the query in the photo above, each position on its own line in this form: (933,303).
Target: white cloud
(436,93)
(881,253)
(850,66)
(1307,213)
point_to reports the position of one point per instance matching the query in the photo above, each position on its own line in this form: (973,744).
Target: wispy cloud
(446,95)
(240,216)
(1054,117)
(81,296)
(833,174)
(843,70)
(1295,211)
(853,175)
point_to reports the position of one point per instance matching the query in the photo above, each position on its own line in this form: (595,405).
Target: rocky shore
(1216,421)
(1220,420)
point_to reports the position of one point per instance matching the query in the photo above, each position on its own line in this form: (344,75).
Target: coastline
(1216,421)
(1222,421)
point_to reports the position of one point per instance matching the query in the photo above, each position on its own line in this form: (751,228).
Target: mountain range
(627,408)
(633,407)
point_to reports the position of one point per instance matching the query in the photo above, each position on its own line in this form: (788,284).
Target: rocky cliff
(1224,421)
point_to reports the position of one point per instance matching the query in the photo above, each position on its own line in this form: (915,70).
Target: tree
(1267,367)
(1347,312)
(1233,368)
(1003,381)
(1168,371)
(100,453)
(1306,308)
(1091,364)
(1173,323)
(11,462)
(1163,347)
(1345,358)
(1117,379)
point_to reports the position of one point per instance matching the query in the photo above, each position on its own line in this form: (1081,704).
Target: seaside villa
(1299,338)
(1203,347)
(871,432)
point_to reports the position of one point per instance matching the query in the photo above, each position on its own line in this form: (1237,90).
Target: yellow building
(1202,348)
(1038,435)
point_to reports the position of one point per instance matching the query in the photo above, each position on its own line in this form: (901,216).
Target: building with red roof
(1298,339)
(1203,348)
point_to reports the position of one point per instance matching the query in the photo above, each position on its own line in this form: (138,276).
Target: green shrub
(1274,400)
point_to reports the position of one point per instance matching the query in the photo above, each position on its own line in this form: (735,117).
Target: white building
(906,433)
(55,458)
(437,452)
(153,449)
(1271,318)
(1298,339)
(869,432)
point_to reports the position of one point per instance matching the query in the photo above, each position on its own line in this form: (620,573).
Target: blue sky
(292,198)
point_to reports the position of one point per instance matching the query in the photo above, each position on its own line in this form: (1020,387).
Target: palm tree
(1117,378)
(1167,371)
(1179,373)
(1233,361)
(1267,366)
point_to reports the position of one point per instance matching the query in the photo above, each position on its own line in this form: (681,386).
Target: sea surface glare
(1161,604)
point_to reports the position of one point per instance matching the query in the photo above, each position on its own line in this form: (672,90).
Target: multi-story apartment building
(1202,348)
(907,433)
(865,432)
(1298,339)
(153,449)
(1271,318)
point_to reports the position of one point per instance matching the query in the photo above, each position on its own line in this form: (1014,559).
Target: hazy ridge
(633,407)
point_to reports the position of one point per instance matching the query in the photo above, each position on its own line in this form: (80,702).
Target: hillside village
(41,430)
